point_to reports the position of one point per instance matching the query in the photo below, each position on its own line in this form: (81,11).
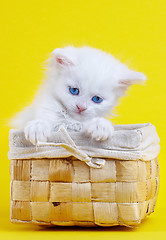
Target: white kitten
(82,86)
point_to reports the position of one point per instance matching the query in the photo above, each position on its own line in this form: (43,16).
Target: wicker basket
(62,190)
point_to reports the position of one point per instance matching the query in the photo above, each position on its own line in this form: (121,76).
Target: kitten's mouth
(78,115)
(80,112)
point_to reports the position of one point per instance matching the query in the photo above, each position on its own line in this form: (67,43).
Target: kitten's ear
(62,58)
(130,77)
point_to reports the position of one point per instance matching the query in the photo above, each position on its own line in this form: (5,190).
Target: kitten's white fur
(94,73)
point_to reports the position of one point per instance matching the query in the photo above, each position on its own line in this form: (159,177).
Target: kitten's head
(88,82)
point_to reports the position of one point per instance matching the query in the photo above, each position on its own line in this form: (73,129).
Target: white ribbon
(70,146)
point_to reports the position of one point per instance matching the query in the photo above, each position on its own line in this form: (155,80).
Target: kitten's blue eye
(97,99)
(74,91)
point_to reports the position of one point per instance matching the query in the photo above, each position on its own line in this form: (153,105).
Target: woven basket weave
(66,191)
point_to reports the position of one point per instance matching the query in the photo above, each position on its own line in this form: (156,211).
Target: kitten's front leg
(99,129)
(37,130)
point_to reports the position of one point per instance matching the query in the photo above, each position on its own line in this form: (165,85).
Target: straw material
(67,192)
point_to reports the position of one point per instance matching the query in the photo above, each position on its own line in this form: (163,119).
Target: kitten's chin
(80,116)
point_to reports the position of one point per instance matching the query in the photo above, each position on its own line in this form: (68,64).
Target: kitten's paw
(99,129)
(37,130)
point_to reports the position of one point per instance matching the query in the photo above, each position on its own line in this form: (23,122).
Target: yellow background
(133,31)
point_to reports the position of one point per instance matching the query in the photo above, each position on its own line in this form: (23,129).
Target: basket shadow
(6,225)
(89,229)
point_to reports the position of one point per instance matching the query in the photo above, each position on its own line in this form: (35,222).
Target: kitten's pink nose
(81,108)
